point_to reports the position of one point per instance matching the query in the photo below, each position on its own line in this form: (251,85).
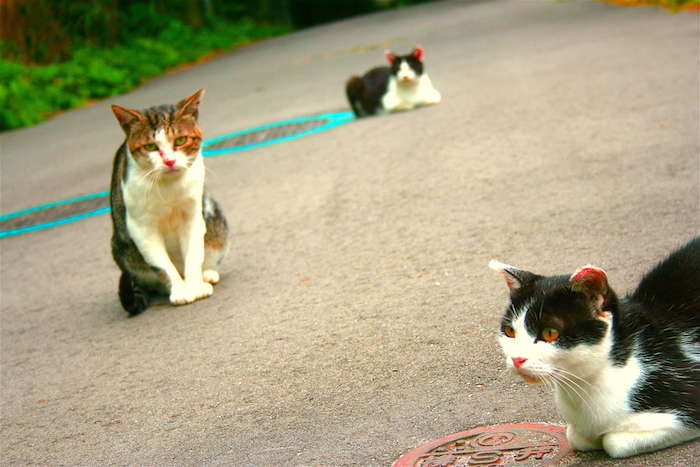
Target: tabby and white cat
(626,371)
(169,234)
(402,86)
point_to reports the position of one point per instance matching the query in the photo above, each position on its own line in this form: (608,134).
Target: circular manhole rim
(412,458)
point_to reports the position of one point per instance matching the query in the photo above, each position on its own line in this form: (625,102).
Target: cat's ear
(390,56)
(190,106)
(418,53)
(515,278)
(593,282)
(590,280)
(127,117)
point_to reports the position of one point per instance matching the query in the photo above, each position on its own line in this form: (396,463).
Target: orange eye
(550,334)
(509,331)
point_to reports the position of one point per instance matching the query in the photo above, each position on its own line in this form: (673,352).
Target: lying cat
(626,371)
(402,86)
(169,235)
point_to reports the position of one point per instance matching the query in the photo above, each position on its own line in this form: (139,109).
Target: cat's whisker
(567,383)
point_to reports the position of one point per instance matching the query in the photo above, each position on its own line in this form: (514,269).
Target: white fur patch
(410,93)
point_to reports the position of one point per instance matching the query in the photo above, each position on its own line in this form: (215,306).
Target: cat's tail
(134,298)
(354,89)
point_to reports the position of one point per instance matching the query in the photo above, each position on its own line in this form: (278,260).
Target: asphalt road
(356,317)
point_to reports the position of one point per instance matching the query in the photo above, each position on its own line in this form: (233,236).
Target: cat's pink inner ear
(127,117)
(418,52)
(590,280)
(389,56)
(190,105)
(502,269)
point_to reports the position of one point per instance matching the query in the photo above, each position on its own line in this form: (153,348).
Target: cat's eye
(180,140)
(509,331)
(150,147)
(550,334)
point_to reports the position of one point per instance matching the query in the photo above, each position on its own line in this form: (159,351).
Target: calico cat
(626,372)
(402,86)
(169,235)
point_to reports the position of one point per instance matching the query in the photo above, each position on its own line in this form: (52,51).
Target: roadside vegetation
(671,5)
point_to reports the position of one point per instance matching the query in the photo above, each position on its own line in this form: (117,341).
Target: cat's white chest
(597,405)
(400,96)
(168,204)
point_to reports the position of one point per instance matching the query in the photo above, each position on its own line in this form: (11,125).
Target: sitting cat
(626,371)
(403,86)
(169,235)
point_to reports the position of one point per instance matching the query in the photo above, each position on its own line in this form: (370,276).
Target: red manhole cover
(500,445)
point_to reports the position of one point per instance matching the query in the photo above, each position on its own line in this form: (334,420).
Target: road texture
(356,317)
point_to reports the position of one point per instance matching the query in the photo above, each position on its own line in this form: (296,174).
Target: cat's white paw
(210,276)
(202,290)
(182,295)
(579,442)
(188,293)
(404,106)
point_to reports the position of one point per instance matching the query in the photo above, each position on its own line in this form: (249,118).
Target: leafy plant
(32,93)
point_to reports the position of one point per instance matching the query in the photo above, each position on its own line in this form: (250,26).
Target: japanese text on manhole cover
(502,445)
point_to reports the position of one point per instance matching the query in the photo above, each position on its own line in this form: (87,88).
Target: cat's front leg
(391,102)
(647,432)
(152,247)
(580,442)
(193,252)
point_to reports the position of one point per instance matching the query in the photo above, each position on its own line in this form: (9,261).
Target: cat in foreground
(626,371)
(401,86)
(169,234)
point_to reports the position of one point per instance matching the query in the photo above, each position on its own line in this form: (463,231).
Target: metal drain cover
(49,215)
(273,133)
(265,134)
(523,444)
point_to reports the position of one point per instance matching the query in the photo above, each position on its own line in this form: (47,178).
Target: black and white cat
(402,86)
(626,372)
(169,234)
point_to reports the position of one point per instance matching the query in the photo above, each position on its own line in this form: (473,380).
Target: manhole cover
(49,215)
(273,133)
(501,445)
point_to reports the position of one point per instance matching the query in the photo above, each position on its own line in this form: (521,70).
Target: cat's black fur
(665,304)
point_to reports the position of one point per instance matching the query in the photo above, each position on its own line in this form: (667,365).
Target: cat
(402,86)
(169,235)
(626,372)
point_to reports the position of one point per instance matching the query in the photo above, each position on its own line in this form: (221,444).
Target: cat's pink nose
(169,162)
(518,361)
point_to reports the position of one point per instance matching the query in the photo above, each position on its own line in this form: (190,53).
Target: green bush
(30,94)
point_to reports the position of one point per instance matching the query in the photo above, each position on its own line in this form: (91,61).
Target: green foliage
(30,94)
(671,5)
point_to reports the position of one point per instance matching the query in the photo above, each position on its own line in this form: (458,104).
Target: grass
(30,94)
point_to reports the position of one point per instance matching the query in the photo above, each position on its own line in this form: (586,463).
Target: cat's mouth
(529,378)
(172,171)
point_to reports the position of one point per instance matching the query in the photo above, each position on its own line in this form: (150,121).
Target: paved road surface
(357,317)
